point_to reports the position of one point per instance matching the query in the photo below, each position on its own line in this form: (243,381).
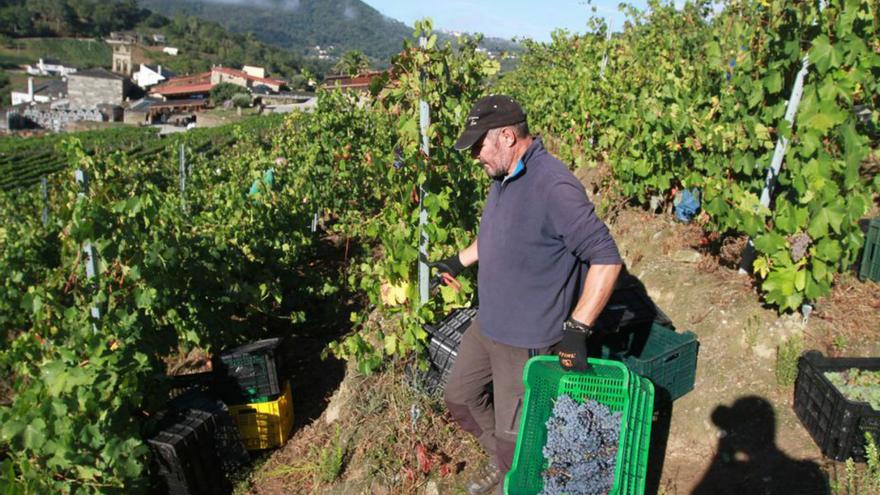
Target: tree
(352,63)
(224,91)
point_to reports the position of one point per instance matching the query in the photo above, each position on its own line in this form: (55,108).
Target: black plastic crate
(196,445)
(451,328)
(443,341)
(250,373)
(837,424)
(630,308)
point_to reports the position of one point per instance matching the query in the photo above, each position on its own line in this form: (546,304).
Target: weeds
(860,481)
(332,458)
(787,355)
(753,325)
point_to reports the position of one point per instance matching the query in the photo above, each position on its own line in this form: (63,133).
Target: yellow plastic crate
(264,425)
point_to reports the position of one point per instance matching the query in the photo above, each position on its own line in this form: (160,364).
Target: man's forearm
(468,256)
(597,291)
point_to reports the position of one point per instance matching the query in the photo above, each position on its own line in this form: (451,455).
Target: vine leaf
(824,54)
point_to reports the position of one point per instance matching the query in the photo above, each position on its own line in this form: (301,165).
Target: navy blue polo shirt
(539,234)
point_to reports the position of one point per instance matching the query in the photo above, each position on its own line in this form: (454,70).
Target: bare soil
(736,432)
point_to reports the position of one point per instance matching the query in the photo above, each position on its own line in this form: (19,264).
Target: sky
(505,18)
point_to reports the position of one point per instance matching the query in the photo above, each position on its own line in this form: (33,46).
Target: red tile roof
(342,81)
(182,89)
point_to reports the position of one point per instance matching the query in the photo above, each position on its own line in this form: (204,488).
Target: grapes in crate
(581,448)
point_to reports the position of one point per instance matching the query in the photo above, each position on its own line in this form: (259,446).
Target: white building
(170,50)
(49,67)
(44,92)
(254,71)
(150,75)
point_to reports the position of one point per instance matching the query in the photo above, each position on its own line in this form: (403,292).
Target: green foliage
(373,190)
(331,459)
(346,25)
(858,385)
(241,100)
(857,481)
(20,18)
(787,355)
(75,52)
(352,63)
(83,388)
(692,100)
(224,91)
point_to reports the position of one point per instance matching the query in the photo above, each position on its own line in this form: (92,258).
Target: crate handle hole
(671,357)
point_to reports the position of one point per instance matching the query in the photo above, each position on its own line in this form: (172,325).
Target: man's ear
(509,136)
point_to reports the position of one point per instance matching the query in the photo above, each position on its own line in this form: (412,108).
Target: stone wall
(57,120)
(87,92)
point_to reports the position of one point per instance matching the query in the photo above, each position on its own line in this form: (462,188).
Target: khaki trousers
(493,418)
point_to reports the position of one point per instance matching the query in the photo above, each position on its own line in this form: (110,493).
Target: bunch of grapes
(581,448)
(799,244)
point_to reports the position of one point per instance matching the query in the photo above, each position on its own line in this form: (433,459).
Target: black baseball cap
(490,112)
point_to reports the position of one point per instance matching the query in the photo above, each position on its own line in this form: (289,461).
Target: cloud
(350,13)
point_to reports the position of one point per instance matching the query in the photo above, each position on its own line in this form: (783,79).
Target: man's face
(492,153)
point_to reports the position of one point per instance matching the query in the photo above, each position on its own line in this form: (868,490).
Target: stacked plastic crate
(607,382)
(251,381)
(634,331)
(195,448)
(443,341)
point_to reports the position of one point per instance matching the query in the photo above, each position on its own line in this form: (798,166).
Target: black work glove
(572,349)
(451,265)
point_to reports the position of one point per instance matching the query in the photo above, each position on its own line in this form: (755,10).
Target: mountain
(300,25)
(335,26)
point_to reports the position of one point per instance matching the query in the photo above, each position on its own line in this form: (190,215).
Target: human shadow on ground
(748,461)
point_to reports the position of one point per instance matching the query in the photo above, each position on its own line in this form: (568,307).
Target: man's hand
(572,350)
(447,270)
(451,265)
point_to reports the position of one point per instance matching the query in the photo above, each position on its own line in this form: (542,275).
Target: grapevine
(857,385)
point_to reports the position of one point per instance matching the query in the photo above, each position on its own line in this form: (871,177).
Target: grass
(332,458)
(752,329)
(858,481)
(80,53)
(390,439)
(787,355)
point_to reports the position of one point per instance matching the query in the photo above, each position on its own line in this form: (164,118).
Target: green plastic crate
(667,358)
(638,444)
(607,382)
(870,265)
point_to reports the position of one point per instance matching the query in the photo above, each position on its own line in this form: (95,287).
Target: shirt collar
(519,168)
(521,164)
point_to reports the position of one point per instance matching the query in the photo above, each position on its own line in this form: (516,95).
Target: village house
(243,79)
(49,67)
(200,85)
(170,50)
(196,86)
(41,92)
(90,88)
(151,75)
(360,82)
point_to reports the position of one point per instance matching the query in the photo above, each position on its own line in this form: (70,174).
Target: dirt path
(736,411)
(736,432)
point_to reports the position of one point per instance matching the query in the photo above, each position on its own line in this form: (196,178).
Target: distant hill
(300,25)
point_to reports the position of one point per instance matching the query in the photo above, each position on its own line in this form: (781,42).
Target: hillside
(300,25)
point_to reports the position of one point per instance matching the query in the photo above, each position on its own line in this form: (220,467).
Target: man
(547,268)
